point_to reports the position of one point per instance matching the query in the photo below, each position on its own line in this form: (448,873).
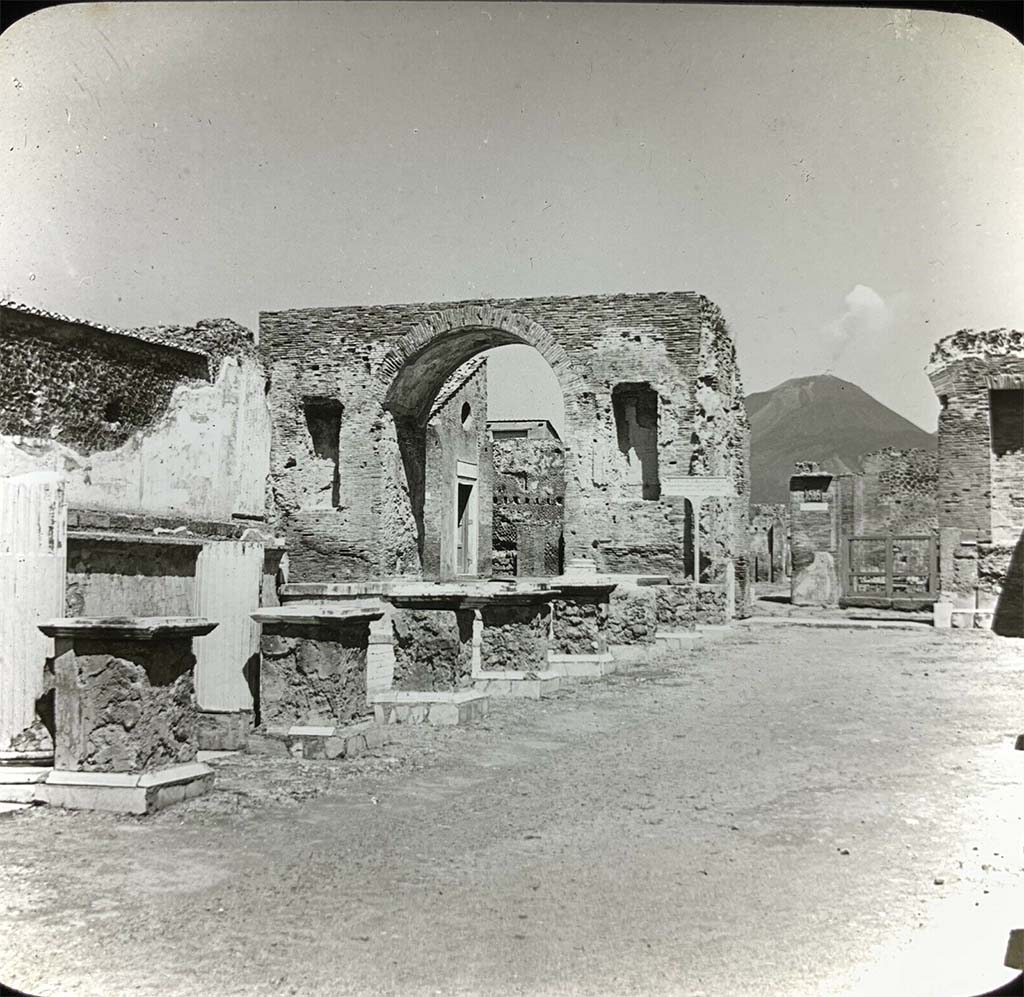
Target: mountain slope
(822,418)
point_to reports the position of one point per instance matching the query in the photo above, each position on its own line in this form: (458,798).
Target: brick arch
(422,360)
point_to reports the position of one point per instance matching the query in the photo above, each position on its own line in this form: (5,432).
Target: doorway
(466,526)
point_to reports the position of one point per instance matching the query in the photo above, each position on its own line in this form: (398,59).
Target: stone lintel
(317,614)
(128,627)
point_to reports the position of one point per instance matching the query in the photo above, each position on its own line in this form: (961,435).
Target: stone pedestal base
(445,709)
(582,666)
(127,793)
(526,685)
(328,741)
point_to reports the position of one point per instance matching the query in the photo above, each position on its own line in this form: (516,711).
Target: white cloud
(867,316)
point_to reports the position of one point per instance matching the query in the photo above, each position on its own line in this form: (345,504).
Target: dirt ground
(789,811)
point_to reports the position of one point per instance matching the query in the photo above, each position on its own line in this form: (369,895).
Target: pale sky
(846,184)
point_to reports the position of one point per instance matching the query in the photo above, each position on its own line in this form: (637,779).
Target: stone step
(9,809)
(329,741)
(580,666)
(526,685)
(20,783)
(444,709)
(680,640)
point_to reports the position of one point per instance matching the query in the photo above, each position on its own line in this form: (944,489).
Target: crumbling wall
(710,605)
(433,649)
(579,624)
(769,542)
(515,638)
(979,378)
(135,423)
(633,614)
(899,492)
(529,506)
(393,359)
(677,605)
(313,674)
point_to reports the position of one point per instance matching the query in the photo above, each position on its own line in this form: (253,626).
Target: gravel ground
(789,811)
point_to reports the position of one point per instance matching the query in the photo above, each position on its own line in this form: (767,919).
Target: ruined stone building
(529,498)
(769,542)
(979,378)
(841,525)
(653,403)
(152,448)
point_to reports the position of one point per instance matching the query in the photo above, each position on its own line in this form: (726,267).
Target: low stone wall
(313,673)
(676,605)
(632,615)
(578,625)
(710,605)
(125,706)
(433,649)
(515,638)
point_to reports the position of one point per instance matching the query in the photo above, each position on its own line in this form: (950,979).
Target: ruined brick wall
(171,420)
(979,378)
(899,492)
(452,436)
(769,541)
(529,505)
(812,515)
(384,364)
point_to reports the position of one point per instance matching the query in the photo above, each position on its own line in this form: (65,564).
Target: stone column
(228,576)
(127,721)
(33,561)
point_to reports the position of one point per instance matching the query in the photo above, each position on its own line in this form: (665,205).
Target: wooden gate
(890,571)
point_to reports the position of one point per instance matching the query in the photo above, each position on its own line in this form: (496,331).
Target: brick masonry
(385,365)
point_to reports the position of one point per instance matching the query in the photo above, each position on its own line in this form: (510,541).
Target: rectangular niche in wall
(323,421)
(1007,409)
(635,407)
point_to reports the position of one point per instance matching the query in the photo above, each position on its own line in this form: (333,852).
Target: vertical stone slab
(228,575)
(33,559)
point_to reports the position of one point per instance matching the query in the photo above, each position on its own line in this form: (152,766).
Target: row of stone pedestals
(339,663)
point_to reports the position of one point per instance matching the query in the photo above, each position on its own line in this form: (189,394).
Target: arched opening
(465,502)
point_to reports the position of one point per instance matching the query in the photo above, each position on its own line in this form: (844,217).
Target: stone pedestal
(579,626)
(313,669)
(126,715)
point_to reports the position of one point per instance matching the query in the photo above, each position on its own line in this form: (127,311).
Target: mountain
(821,418)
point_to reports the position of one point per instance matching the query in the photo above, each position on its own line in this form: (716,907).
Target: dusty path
(765,817)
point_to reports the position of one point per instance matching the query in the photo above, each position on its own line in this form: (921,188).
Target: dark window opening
(511,434)
(112,411)
(1007,414)
(323,420)
(635,407)
(466,416)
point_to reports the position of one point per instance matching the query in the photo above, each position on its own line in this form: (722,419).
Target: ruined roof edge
(965,344)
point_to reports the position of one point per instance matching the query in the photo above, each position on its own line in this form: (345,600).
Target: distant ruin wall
(899,493)
(383,364)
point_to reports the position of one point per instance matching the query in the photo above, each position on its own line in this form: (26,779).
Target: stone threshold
(440,708)
(329,741)
(525,685)
(578,666)
(126,792)
(22,783)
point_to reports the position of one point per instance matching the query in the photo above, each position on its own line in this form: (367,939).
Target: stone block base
(127,793)
(440,708)
(582,666)
(686,640)
(224,731)
(22,784)
(526,685)
(971,619)
(330,742)
(630,654)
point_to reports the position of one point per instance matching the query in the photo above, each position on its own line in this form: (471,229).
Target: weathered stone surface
(632,615)
(313,673)
(433,649)
(710,605)
(223,731)
(817,583)
(579,625)
(515,638)
(125,706)
(677,605)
